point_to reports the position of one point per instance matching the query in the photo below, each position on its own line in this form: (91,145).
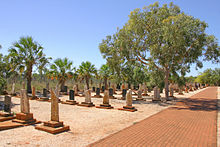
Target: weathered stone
(25,107)
(129,98)
(71,95)
(7,104)
(106,97)
(54,107)
(156,94)
(88,96)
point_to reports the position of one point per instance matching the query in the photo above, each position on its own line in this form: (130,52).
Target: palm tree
(62,71)
(24,55)
(105,73)
(86,71)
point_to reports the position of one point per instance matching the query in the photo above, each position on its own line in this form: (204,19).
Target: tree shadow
(199,104)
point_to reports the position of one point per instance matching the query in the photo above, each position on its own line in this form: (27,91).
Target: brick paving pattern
(191,122)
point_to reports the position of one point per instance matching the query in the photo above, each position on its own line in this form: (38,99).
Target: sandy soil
(87,124)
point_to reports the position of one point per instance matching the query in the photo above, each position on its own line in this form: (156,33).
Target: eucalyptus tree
(86,71)
(61,70)
(105,74)
(24,55)
(164,38)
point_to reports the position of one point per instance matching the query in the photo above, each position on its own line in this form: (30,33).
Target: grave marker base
(128,108)
(53,127)
(25,119)
(84,104)
(70,102)
(105,106)
(43,99)
(4,116)
(9,125)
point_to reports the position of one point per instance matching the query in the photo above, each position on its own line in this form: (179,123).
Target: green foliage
(24,55)
(209,76)
(61,70)
(163,38)
(86,71)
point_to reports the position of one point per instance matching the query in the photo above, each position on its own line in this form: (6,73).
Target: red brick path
(192,122)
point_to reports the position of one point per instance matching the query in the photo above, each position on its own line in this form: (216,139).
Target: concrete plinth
(84,104)
(53,127)
(128,108)
(105,106)
(70,102)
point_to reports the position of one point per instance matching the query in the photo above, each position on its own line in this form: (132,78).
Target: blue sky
(74,28)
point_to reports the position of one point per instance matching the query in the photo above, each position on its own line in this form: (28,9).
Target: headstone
(64,88)
(88,96)
(71,95)
(97,91)
(24,106)
(156,94)
(54,107)
(7,104)
(111,92)
(54,126)
(124,92)
(93,89)
(128,106)
(44,92)
(106,97)
(105,104)
(129,98)
(103,88)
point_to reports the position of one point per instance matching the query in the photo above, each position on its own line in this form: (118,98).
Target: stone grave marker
(111,92)
(105,104)
(97,95)
(6,115)
(124,92)
(128,106)
(156,94)
(88,102)
(25,117)
(71,100)
(53,126)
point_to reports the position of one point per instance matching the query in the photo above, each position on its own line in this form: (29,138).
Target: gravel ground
(87,125)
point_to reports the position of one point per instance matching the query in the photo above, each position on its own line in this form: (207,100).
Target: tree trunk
(166,83)
(106,83)
(87,82)
(29,90)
